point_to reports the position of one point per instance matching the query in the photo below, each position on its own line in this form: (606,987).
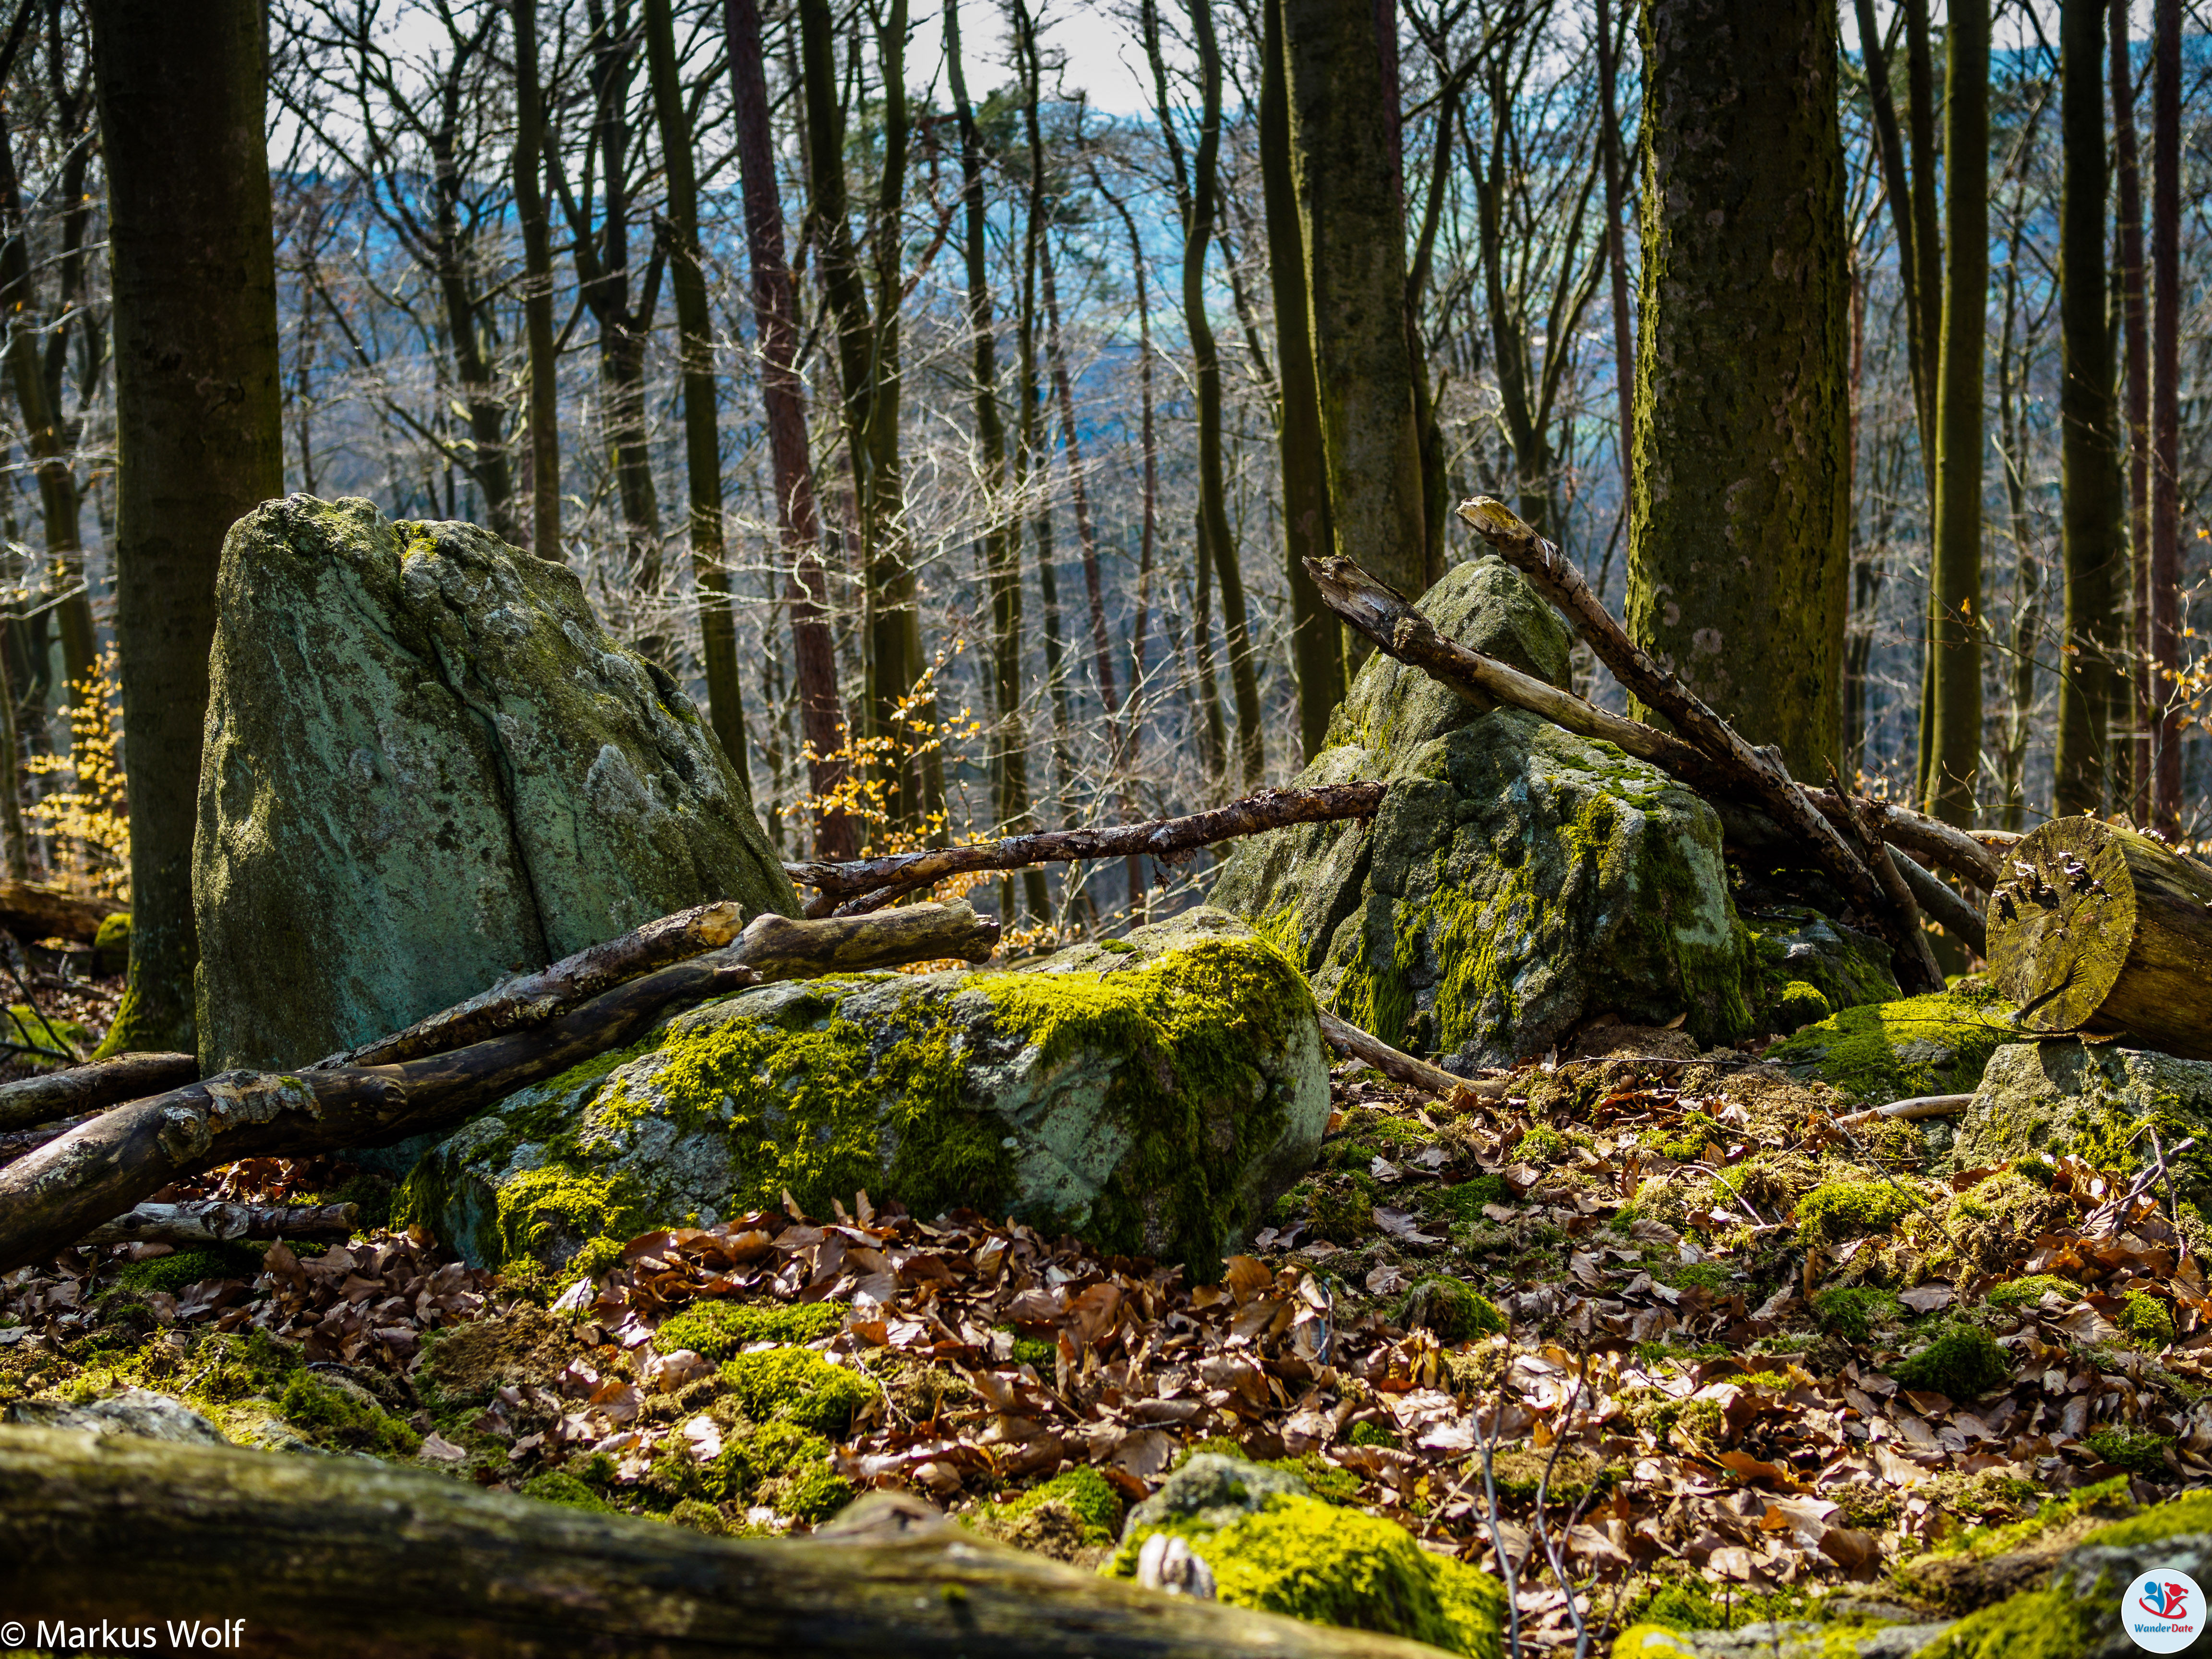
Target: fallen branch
(401,1563)
(38,912)
(538,997)
(22,1141)
(1912,1110)
(1953,913)
(211,1221)
(57,1193)
(1904,909)
(34,1100)
(878,882)
(1400,1068)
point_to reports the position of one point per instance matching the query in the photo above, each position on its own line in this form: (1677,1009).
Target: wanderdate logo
(2162,1611)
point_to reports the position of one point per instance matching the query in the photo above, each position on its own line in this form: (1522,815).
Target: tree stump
(2098,930)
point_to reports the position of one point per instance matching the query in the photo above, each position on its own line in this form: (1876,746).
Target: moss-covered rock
(1928,1045)
(1806,960)
(1154,1097)
(427,767)
(2050,1098)
(1517,879)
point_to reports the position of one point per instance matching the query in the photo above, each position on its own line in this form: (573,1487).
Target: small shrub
(1962,1361)
(717,1329)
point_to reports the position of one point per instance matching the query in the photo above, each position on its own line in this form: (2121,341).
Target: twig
(2172,1204)
(1348,1039)
(1910,1111)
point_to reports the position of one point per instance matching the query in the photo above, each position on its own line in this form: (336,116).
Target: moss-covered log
(211,1221)
(350,1561)
(37,912)
(34,1100)
(2100,930)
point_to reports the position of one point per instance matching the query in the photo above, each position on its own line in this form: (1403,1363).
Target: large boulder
(2093,1100)
(427,767)
(1154,1095)
(1518,881)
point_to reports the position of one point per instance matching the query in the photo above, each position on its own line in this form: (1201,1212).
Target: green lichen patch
(1928,1045)
(716,1329)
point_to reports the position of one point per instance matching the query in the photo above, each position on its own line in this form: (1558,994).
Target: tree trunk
(2093,493)
(544,452)
(1316,640)
(1954,728)
(1352,214)
(2139,698)
(409,1563)
(2099,929)
(2168,299)
(1740,550)
(806,582)
(198,421)
(1616,253)
(703,440)
(1086,536)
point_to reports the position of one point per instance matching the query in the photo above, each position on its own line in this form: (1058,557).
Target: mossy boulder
(1883,1051)
(1155,1095)
(2047,1099)
(428,767)
(1517,880)
(1812,965)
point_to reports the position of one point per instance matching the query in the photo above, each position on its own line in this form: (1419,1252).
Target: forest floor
(1750,1365)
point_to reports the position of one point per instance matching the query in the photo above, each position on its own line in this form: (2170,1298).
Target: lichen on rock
(1517,880)
(428,767)
(2046,1099)
(1154,1097)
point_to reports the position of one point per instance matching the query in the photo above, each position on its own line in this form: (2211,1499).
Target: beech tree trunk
(544,451)
(409,1565)
(2100,930)
(2136,332)
(2167,300)
(198,422)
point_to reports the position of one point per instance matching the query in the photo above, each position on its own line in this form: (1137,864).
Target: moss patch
(1838,1210)
(1962,1361)
(718,1329)
(798,1386)
(193,1264)
(1453,1311)
(1926,1045)
(333,1417)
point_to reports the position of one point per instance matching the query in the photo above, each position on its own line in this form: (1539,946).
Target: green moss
(1343,1215)
(2149,1321)
(1042,1357)
(1926,1045)
(193,1264)
(2136,1451)
(1853,1312)
(1455,1312)
(1542,1145)
(2026,1292)
(1685,1603)
(1085,1493)
(1308,1559)
(2178,1518)
(331,1417)
(1962,1361)
(798,1386)
(1466,1198)
(553,1207)
(2032,1624)
(717,1329)
(2107,1498)
(110,945)
(554,1487)
(230,1366)
(1799,1005)
(1373,1434)
(1838,1210)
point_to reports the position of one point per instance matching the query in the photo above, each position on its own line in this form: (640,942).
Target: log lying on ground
(56,1194)
(38,912)
(871,884)
(34,1100)
(1944,905)
(2098,929)
(350,1561)
(211,1221)
(1401,1068)
(536,996)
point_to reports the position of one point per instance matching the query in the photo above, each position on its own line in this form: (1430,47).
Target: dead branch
(211,1221)
(407,1563)
(102,1167)
(1348,1039)
(1912,1110)
(1944,905)
(37,912)
(34,1100)
(878,882)
(1918,954)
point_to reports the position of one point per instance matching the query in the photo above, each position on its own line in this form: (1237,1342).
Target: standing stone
(427,767)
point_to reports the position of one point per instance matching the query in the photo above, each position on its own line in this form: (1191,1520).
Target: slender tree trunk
(1316,637)
(2136,330)
(1955,714)
(1616,251)
(806,582)
(2094,494)
(2166,301)
(1352,212)
(703,443)
(532,210)
(1086,536)
(2014,358)
(1889,147)
(1740,555)
(1927,301)
(199,417)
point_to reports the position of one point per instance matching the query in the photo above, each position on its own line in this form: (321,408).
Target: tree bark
(408,1563)
(89,1088)
(702,438)
(2135,331)
(1352,215)
(2094,492)
(537,288)
(878,881)
(1740,554)
(208,1221)
(806,585)
(1616,252)
(1954,729)
(2100,930)
(2168,299)
(198,419)
(1316,642)
(102,1167)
